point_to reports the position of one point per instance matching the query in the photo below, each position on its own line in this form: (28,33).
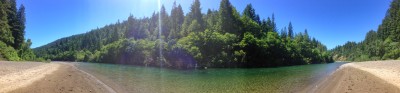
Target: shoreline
(36,77)
(108,88)
(364,77)
(22,78)
(54,77)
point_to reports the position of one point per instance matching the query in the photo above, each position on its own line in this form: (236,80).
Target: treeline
(219,38)
(13,46)
(377,45)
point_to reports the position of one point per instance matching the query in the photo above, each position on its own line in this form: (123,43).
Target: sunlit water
(157,80)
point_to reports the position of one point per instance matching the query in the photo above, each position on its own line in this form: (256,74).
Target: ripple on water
(149,79)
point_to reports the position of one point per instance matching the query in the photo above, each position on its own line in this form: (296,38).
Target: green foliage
(165,27)
(228,19)
(290,29)
(12,30)
(251,26)
(194,20)
(5,32)
(26,53)
(194,26)
(392,54)
(18,27)
(377,45)
(195,13)
(176,21)
(220,38)
(8,52)
(250,12)
(210,48)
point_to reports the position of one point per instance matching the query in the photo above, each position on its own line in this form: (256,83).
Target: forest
(382,44)
(218,38)
(13,46)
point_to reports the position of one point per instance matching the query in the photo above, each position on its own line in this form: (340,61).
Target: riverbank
(55,77)
(363,77)
(61,77)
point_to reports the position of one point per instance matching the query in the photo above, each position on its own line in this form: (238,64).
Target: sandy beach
(363,77)
(55,77)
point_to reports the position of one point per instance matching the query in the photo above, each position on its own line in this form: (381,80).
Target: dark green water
(155,80)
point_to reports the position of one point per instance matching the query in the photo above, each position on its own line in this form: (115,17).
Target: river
(127,78)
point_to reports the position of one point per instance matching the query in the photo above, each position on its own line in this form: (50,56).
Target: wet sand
(55,77)
(362,77)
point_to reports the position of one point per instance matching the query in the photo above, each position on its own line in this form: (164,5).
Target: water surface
(217,80)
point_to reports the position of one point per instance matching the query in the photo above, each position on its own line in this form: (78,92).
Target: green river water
(139,79)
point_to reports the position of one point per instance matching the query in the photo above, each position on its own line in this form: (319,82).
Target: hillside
(377,45)
(218,38)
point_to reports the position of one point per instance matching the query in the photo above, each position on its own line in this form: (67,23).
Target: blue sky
(333,22)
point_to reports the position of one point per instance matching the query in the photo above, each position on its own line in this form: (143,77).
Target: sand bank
(363,77)
(55,77)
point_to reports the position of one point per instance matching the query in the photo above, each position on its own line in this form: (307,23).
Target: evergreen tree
(250,12)
(19,33)
(6,35)
(194,15)
(221,38)
(212,19)
(273,25)
(377,45)
(284,33)
(14,24)
(290,29)
(165,22)
(177,19)
(306,36)
(195,12)
(269,25)
(264,26)
(12,29)
(228,19)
